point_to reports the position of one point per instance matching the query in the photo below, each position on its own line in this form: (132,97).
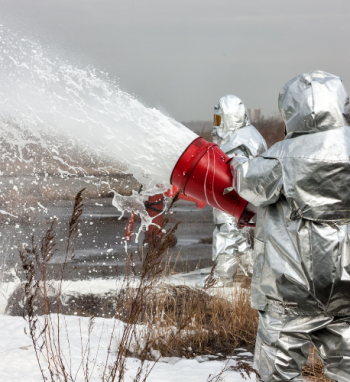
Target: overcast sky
(182,55)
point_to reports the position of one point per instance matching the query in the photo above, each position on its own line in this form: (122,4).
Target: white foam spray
(59,109)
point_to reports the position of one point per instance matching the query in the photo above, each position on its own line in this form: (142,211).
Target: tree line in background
(271,128)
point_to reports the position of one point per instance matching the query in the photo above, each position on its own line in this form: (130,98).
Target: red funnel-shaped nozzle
(203,172)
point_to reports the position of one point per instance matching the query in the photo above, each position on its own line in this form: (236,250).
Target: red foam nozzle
(203,172)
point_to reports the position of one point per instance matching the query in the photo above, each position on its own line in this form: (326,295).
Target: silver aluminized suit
(301,276)
(235,134)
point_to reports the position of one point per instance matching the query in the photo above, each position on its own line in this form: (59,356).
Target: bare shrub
(313,371)
(206,135)
(9,203)
(202,128)
(46,333)
(191,322)
(241,367)
(271,128)
(176,320)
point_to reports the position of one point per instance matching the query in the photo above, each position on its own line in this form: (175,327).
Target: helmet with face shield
(230,115)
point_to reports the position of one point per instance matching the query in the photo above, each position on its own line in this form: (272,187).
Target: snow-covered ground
(17,356)
(18,362)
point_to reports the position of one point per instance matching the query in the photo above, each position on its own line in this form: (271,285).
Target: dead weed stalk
(46,332)
(313,371)
(191,322)
(177,321)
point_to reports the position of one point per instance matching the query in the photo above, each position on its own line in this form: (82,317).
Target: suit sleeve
(258,180)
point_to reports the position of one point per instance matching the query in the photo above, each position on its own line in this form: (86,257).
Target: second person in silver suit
(234,134)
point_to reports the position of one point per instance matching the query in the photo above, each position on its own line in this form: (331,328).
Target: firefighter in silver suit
(233,133)
(301,261)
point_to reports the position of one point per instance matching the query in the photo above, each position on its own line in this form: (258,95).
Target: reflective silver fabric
(314,102)
(283,341)
(231,247)
(302,249)
(234,116)
(236,132)
(248,140)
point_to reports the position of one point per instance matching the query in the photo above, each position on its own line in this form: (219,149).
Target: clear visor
(217,120)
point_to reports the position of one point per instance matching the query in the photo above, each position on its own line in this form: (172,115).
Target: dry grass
(204,323)
(176,320)
(46,334)
(191,322)
(271,128)
(313,371)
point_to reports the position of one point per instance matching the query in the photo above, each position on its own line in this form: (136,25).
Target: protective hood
(233,114)
(314,102)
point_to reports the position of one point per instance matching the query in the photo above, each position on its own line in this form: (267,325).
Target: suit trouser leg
(282,345)
(333,346)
